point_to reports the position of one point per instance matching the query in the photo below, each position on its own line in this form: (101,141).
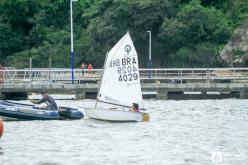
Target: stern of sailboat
(146,117)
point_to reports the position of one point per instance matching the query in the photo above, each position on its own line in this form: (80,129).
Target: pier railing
(159,75)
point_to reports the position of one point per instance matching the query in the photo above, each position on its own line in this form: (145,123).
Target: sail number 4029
(127,73)
(128,77)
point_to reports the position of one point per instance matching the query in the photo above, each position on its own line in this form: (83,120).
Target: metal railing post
(206,76)
(234,76)
(181,76)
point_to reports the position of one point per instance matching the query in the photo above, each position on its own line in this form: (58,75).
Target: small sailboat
(120,85)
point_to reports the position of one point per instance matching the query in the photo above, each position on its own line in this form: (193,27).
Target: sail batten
(121,81)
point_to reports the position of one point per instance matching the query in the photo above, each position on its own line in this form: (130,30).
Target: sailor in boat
(135,107)
(51,104)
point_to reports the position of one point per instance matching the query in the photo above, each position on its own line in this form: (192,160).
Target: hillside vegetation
(185,33)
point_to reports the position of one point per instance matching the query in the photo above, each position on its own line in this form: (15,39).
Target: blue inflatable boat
(11,110)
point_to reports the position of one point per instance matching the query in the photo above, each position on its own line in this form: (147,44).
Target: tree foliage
(185,33)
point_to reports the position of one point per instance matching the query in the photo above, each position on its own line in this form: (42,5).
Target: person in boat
(51,104)
(135,107)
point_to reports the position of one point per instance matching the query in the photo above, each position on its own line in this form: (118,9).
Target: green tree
(15,23)
(194,25)
(184,32)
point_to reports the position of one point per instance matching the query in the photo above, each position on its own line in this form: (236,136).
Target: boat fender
(1,127)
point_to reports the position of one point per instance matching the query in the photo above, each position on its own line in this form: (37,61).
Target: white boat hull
(113,115)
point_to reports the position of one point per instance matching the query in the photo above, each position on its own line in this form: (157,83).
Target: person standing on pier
(51,104)
(83,67)
(90,67)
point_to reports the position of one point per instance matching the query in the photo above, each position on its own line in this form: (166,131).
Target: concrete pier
(178,83)
(164,91)
(80,96)
(162,94)
(244,94)
(14,95)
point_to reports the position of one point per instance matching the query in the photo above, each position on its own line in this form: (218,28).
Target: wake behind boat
(120,85)
(17,111)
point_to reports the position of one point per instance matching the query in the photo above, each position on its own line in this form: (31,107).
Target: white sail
(121,81)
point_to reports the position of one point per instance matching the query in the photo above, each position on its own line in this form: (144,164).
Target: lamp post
(150,53)
(72,49)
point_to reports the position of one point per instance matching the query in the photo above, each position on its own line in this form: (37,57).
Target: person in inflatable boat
(51,104)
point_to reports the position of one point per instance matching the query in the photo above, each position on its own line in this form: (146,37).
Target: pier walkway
(176,83)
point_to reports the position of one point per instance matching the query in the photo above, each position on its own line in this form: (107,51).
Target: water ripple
(179,133)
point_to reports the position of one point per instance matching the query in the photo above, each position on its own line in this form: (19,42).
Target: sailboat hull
(114,115)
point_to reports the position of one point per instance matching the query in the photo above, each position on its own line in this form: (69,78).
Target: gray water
(179,133)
